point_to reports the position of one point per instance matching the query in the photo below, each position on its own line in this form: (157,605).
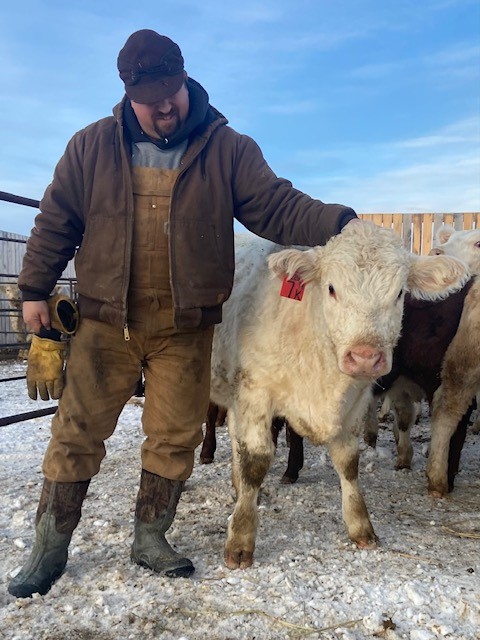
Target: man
(146,200)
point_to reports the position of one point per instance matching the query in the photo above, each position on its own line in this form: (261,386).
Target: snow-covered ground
(308,580)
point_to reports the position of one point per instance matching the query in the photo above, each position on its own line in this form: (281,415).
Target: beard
(165,128)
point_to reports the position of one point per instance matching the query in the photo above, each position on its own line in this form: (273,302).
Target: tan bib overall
(103,367)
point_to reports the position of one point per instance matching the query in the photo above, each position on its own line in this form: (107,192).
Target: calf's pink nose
(365,361)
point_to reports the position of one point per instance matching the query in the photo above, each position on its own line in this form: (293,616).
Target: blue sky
(373,104)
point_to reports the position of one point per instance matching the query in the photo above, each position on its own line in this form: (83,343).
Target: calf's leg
(405,414)
(450,415)
(295,457)
(370,432)
(209,445)
(456,445)
(252,451)
(276,427)
(345,456)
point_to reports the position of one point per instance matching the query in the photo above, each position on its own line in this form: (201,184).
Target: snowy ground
(308,580)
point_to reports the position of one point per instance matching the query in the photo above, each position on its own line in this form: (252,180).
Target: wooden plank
(448,219)
(407,230)
(377,218)
(388,220)
(398,223)
(427,236)
(467,221)
(417,233)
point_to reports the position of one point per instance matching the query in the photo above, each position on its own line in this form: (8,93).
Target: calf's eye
(331,290)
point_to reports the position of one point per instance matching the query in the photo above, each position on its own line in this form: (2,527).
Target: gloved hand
(45,368)
(63,314)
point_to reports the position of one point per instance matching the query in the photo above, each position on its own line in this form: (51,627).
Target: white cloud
(459,54)
(465,132)
(437,172)
(455,63)
(450,184)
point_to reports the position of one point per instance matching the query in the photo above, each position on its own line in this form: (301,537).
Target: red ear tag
(293,287)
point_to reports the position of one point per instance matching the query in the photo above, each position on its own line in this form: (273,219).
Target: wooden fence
(418,229)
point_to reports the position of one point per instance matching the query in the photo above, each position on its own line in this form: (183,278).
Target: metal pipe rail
(20,417)
(10,197)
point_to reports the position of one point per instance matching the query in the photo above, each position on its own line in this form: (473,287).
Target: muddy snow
(308,580)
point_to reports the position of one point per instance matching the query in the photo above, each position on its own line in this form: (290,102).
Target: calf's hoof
(451,483)
(206,460)
(238,559)
(437,489)
(288,479)
(367,543)
(370,440)
(366,540)
(403,465)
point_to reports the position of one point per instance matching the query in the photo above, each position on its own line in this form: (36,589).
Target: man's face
(163,118)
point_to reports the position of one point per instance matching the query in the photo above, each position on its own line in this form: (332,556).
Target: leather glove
(64,316)
(45,368)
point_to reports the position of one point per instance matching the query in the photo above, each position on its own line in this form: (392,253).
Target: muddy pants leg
(177,390)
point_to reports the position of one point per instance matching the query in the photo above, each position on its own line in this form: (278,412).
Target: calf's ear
(435,277)
(289,261)
(444,233)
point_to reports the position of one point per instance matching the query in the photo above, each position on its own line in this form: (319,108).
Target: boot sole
(27,590)
(184,571)
(181,572)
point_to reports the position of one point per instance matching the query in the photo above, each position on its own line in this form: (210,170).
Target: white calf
(461,244)
(311,355)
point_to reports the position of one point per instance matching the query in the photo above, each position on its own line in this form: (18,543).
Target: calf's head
(355,292)
(460,244)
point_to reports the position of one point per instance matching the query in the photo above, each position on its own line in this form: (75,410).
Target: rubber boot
(155,510)
(59,512)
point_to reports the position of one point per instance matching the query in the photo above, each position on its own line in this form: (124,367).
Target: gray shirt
(147,154)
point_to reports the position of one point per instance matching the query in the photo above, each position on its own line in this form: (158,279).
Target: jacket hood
(201,115)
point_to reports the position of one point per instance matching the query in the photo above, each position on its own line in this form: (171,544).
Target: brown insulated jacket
(87,212)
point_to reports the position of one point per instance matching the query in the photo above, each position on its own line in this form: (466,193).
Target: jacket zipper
(126,332)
